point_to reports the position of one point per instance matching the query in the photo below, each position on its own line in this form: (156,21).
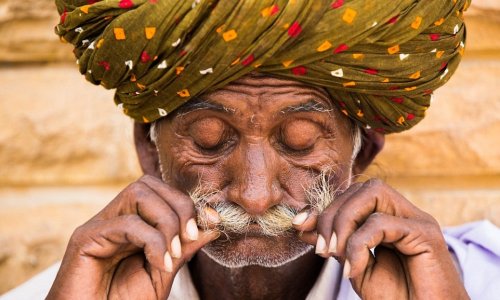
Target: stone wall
(66,150)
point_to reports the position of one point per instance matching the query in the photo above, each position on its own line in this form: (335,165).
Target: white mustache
(276,221)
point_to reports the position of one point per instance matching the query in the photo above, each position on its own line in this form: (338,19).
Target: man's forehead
(265,92)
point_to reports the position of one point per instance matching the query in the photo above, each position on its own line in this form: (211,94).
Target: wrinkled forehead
(255,84)
(262,92)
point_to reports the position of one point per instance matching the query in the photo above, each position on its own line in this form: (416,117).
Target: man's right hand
(133,248)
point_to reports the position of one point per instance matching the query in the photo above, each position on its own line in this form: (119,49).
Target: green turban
(379,60)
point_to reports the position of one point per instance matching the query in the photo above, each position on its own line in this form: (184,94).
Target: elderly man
(253,119)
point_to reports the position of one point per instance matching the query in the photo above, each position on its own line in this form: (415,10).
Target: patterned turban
(379,60)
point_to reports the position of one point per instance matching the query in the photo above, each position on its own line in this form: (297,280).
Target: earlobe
(146,150)
(373,143)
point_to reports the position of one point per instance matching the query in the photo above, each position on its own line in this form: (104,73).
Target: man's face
(260,142)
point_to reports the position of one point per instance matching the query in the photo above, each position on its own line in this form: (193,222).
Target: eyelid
(227,139)
(216,150)
(324,124)
(327,132)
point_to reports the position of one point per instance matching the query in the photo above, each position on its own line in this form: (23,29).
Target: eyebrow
(310,106)
(200,103)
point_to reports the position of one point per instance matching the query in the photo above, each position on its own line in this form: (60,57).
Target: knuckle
(429,219)
(355,243)
(169,227)
(432,228)
(340,217)
(375,184)
(79,232)
(135,190)
(81,236)
(186,209)
(375,218)
(130,220)
(146,178)
(324,219)
(158,241)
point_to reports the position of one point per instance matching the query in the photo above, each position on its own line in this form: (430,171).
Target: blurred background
(66,150)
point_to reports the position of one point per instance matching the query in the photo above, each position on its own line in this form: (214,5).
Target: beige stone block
(483,34)
(453,200)
(460,134)
(32,40)
(485,5)
(60,129)
(27,9)
(27,32)
(35,226)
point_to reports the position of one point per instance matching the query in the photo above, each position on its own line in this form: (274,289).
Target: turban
(379,60)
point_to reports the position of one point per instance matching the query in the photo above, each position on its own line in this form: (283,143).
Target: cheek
(302,173)
(187,169)
(293,181)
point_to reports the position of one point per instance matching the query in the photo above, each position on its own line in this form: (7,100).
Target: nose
(255,185)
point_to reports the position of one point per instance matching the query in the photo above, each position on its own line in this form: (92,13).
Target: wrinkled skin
(260,144)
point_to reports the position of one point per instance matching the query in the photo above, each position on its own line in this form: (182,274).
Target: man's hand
(411,257)
(133,248)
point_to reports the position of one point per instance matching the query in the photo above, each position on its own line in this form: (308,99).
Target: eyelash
(224,143)
(289,150)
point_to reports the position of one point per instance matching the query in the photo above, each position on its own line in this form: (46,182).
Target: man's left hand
(411,258)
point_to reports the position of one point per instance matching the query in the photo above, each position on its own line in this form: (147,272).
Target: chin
(237,251)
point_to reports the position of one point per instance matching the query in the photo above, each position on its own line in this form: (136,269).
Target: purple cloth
(477,248)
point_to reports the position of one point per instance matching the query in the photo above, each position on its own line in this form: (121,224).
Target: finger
(371,197)
(409,237)
(118,237)
(155,211)
(190,249)
(305,221)
(208,218)
(384,273)
(310,237)
(327,243)
(132,279)
(162,281)
(181,203)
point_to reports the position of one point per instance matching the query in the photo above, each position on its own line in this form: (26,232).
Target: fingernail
(333,244)
(218,235)
(212,215)
(300,218)
(167,260)
(347,269)
(320,245)
(175,245)
(192,230)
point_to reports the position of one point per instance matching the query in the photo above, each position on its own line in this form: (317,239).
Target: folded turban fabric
(379,60)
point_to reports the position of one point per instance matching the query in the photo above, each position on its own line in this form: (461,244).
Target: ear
(146,150)
(373,143)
